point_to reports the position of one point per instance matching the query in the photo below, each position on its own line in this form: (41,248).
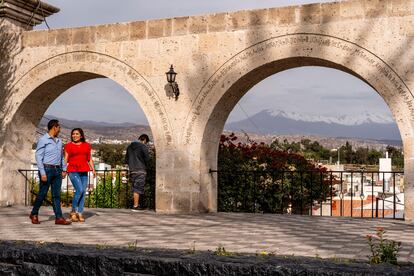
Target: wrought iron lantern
(171,80)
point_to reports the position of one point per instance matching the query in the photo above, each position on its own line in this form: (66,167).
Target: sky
(330,92)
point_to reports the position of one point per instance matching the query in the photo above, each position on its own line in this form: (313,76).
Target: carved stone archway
(42,84)
(236,76)
(218,57)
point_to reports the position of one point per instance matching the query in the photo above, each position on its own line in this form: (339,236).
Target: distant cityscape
(357,194)
(113,133)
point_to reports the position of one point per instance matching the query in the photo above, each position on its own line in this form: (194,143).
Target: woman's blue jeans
(80,182)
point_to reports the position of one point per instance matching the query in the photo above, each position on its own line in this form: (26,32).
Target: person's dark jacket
(137,156)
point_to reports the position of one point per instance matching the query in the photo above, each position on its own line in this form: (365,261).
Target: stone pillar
(14,152)
(409,178)
(176,183)
(16,16)
(181,184)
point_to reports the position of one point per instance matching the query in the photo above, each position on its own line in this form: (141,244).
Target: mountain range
(364,125)
(364,130)
(98,130)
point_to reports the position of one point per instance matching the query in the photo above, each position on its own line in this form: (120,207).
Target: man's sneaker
(137,209)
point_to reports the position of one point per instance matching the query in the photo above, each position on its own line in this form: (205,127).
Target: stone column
(409,178)
(181,184)
(16,17)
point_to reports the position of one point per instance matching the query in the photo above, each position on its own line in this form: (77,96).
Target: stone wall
(218,58)
(19,258)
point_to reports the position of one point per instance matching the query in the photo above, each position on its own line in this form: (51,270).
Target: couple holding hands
(55,161)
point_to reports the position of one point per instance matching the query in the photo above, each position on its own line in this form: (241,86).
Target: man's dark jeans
(54,179)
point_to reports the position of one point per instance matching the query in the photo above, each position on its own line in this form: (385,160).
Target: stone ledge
(20,258)
(228,22)
(26,12)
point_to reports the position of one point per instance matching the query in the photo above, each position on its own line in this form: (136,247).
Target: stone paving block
(235,231)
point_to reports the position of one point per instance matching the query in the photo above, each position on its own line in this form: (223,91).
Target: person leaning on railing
(79,163)
(52,168)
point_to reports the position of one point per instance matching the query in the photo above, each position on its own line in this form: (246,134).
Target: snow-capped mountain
(348,120)
(363,125)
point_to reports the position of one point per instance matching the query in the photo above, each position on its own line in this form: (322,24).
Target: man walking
(137,159)
(52,169)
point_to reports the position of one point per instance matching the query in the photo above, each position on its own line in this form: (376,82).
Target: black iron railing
(110,189)
(365,194)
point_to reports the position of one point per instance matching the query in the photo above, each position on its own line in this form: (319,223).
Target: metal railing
(110,189)
(366,194)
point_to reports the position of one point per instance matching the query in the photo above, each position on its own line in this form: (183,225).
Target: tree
(285,146)
(313,150)
(396,155)
(361,156)
(112,154)
(347,153)
(374,156)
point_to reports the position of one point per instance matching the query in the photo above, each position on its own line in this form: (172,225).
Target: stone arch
(41,85)
(242,71)
(68,69)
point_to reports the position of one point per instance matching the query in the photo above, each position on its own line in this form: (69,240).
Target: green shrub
(382,250)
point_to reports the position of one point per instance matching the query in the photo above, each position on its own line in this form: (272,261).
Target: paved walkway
(325,237)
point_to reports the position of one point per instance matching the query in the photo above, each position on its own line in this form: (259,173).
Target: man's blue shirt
(49,150)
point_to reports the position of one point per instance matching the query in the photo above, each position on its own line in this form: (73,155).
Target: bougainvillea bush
(257,177)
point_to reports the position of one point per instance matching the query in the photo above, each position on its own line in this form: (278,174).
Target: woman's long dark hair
(82,139)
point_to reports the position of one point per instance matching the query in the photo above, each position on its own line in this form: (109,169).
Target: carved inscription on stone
(76,60)
(157,105)
(307,45)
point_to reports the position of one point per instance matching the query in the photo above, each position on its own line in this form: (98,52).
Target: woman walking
(79,163)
